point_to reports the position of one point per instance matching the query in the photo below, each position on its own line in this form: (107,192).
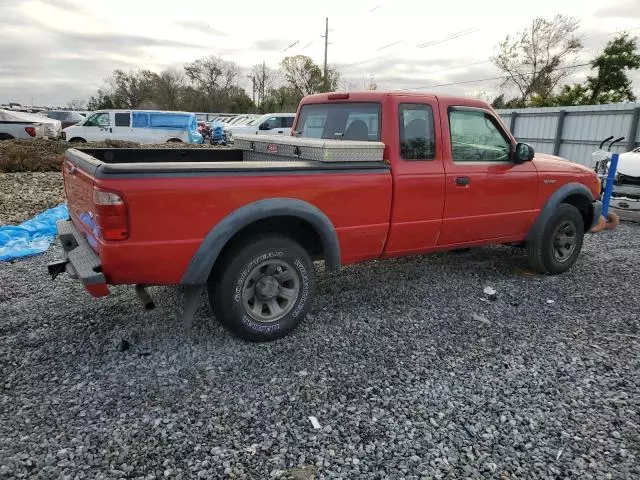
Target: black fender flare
(554,200)
(205,257)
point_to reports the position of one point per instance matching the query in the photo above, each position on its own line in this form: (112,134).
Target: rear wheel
(264,288)
(556,247)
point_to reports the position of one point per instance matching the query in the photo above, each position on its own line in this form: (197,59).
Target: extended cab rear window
(349,121)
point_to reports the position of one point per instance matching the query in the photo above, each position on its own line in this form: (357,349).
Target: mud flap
(191,304)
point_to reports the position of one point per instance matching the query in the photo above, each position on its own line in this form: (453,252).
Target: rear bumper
(80,262)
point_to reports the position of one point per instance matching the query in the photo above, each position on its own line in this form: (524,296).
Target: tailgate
(78,170)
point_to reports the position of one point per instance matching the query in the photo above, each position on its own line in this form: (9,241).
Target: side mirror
(264,126)
(523,153)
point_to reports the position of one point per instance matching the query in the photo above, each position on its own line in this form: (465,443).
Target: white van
(140,126)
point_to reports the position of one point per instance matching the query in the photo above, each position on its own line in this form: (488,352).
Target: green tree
(611,84)
(304,77)
(540,57)
(101,100)
(500,102)
(576,94)
(239,101)
(283,99)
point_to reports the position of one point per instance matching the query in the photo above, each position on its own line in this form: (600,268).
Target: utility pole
(263,82)
(326,46)
(253,85)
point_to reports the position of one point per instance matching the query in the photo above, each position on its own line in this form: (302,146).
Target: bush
(30,156)
(47,155)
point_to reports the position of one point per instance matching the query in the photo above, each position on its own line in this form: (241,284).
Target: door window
(98,120)
(287,122)
(417,138)
(273,122)
(476,137)
(122,119)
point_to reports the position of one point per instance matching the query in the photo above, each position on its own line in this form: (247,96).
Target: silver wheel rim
(270,291)
(565,240)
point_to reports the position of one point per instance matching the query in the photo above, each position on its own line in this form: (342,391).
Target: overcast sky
(57,50)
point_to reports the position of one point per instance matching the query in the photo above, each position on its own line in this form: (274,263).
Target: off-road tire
(229,282)
(540,250)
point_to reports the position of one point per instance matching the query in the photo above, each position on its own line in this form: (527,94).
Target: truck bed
(132,163)
(175,197)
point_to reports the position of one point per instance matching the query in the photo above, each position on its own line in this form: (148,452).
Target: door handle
(110,130)
(463,181)
(280,131)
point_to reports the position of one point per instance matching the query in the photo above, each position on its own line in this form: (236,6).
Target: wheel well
(174,140)
(584,206)
(292,227)
(6,136)
(77,139)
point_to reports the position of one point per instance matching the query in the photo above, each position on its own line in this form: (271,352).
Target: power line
(612,33)
(463,33)
(390,45)
(501,77)
(292,45)
(448,38)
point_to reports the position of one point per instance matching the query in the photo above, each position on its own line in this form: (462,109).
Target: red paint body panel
(416,207)
(169,217)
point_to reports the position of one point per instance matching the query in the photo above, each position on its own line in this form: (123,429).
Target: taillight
(31,131)
(111,215)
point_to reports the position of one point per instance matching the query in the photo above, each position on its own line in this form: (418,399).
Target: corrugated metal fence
(575,132)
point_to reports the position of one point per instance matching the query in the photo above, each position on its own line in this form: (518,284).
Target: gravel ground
(22,195)
(409,370)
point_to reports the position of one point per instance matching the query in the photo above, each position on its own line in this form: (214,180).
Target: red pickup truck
(450,176)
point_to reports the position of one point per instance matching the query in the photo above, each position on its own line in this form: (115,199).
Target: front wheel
(556,247)
(264,288)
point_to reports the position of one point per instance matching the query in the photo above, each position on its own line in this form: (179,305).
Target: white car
(268,124)
(625,195)
(140,126)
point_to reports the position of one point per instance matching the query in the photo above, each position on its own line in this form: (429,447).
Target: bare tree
(212,74)
(265,79)
(131,89)
(77,104)
(170,88)
(538,58)
(205,73)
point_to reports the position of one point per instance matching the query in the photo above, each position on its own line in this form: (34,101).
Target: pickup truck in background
(19,125)
(267,124)
(450,175)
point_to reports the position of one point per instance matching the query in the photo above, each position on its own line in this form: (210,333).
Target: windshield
(255,121)
(349,121)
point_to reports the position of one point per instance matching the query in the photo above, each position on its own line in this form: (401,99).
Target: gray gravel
(410,373)
(22,195)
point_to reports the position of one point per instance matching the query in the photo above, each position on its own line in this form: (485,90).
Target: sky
(54,51)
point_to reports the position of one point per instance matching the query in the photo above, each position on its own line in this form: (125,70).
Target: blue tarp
(33,236)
